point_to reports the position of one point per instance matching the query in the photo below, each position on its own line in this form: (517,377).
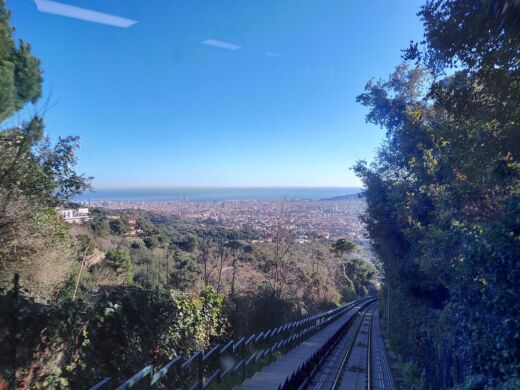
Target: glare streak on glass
(53,7)
(221,44)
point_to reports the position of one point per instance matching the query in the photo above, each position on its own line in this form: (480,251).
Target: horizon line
(216,186)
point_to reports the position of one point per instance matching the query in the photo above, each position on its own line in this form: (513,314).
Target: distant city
(327,219)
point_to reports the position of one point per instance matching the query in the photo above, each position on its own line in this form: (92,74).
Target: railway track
(359,361)
(381,377)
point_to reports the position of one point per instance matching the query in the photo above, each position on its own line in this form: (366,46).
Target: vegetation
(245,268)
(34,177)
(147,304)
(442,195)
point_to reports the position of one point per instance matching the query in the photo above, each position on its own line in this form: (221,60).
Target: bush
(77,345)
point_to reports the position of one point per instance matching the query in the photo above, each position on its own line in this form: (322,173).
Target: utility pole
(388,306)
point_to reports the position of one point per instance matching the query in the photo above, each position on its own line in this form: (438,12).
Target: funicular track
(354,372)
(358,360)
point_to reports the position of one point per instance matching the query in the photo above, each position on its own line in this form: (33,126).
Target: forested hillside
(443,195)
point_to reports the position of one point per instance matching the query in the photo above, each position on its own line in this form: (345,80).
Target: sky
(214,93)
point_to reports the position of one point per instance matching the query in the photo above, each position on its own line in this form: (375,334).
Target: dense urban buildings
(309,219)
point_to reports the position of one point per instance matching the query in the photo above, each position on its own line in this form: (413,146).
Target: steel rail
(337,378)
(386,364)
(369,352)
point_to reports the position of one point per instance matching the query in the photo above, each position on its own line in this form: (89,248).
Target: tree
(443,184)
(100,226)
(342,247)
(20,72)
(277,263)
(86,247)
(188,244)
(235,247)
(35,176)
(204,259)
(119,226)
(151,242)
(222,253)
(184,273)
(121,261)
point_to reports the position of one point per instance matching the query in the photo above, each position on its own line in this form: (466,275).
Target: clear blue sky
(155,106)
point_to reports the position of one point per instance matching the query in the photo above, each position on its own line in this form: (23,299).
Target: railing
(229,363)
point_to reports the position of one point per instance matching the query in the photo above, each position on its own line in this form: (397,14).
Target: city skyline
(217,95)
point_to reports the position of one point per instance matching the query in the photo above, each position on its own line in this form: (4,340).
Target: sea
(215,193)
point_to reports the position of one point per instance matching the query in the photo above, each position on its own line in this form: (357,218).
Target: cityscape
(308,219)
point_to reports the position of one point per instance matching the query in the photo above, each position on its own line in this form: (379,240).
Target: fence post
(200,371)
(243,356)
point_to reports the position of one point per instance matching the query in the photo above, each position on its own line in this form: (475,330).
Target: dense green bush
(74,344)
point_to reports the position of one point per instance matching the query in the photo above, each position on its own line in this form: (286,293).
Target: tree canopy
(35,175)
(442,194)
(20,72)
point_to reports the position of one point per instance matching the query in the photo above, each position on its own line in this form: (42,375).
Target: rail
(308,369)
(222,363)
(337,378)
(369,352)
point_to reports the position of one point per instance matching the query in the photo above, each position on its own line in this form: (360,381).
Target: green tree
(35,176)
(341,248)
(151,242)
(443,196)
(118,226)
(116,334)
(121,261)
(188,244)
(20,72)
(184,272)
(100,226)
(236,248)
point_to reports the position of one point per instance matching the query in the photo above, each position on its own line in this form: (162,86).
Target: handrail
(233,357)
(190,361)
(164,370)
(369,353)
(147,371)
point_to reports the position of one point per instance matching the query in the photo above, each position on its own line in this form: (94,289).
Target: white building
(75,215)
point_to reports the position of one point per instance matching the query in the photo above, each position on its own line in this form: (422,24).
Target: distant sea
(214,193)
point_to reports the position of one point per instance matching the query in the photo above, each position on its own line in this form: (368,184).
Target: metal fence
(228,364)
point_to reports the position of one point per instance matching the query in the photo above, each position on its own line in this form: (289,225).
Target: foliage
(118,226)
(120,261)
(188,244)
(413,377)
(20,73)
(260,310)
(35,176)
(73,345)
(151,242)
(184,273)
(442,195)
(100,226)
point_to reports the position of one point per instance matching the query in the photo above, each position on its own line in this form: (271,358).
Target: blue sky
(153,105)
